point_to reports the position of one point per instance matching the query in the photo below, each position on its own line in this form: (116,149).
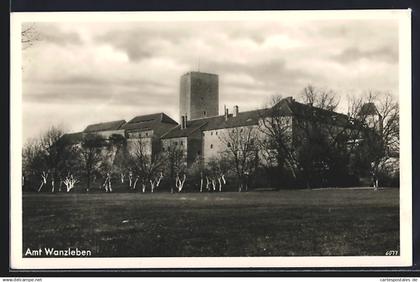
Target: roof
(368,109)
(248,118)
(160,123)
(192,73)
(192,126)
(286,107)
(158,117)
(105,126)
(72,138)
(289,106)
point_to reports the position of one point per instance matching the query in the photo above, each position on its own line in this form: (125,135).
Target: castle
(200,125)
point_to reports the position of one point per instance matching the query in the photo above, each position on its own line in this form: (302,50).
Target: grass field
(283,223)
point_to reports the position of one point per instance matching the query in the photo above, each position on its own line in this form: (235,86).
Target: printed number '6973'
(391,253)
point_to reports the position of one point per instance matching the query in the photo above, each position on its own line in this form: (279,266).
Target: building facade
(202,132)
(199,95)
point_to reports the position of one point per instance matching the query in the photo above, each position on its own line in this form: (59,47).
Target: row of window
(211,145)
(181,143)
(176,143)
(138,134)
(233,130)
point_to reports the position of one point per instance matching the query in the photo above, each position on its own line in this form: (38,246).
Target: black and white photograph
(211,139)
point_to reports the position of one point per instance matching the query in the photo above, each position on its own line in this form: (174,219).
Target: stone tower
(199,95)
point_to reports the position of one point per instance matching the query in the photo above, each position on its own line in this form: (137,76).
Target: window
(182,143)
(211,146)
(211,133)
(216,132)
(204,113)
(147,133)
(175,143)
(163,149)
(228,144)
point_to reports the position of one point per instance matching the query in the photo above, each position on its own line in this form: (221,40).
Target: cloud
(49,33)
(81,73)
(386,54)
(144,41)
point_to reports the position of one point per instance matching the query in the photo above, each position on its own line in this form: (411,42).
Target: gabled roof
(158,117)
(160,123)
(248,118)
(104,126)
(368,109)
(72,138)
(289,106)
(286,107)
(192,127)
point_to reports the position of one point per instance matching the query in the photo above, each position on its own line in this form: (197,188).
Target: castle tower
(199,95)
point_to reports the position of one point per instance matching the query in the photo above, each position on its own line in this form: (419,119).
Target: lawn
(266,223)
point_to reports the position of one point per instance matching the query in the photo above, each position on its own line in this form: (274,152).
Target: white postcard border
(19,262)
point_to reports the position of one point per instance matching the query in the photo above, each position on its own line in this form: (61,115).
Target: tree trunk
(52,185)
(207,183)
(135,183)
(130,178)
(152,186)
(42,184)
(88,182)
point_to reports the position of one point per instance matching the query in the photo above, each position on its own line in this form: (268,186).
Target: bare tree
(180,181)
(110,165)
(33,164)
(241,150)
(121,164)
(55,153)
(216,170)
(70,181)
(91,156)
(146,167)
(44,177)
(196,173)
(176,167)
(379,115)
(321,98)
(308,141)
(49,158)
(29,35)
(276,142)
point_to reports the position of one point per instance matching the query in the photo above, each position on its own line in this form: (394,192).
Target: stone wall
(199,95)
(214,141)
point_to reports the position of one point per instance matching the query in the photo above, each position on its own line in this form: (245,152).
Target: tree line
(325,149)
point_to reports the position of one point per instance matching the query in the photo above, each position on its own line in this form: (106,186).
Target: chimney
(184,122)
(226,113)
(235,110)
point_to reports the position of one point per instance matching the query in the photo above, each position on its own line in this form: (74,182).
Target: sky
(82,73)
